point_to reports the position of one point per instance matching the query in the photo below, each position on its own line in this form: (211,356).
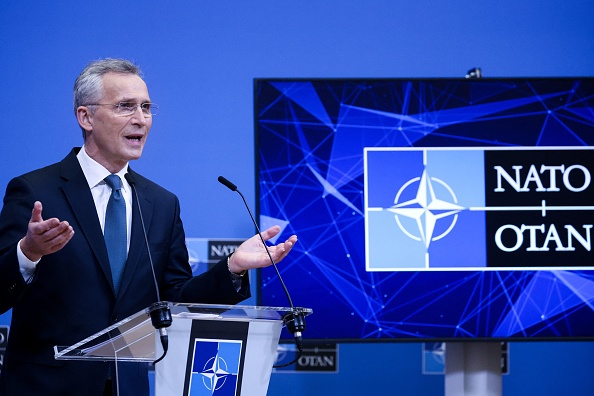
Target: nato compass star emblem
(426,208)
(215,373)
(417,196)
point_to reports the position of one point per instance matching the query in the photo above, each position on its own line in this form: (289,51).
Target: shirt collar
(95,172)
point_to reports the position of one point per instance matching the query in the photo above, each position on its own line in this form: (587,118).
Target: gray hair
(88,87)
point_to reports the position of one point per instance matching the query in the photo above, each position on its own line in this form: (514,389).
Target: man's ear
(85,118)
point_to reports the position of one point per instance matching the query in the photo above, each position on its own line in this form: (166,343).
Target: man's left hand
(252,254)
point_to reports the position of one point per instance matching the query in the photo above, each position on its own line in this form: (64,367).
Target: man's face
(114,139)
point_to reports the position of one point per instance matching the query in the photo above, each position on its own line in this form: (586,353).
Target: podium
(224,349)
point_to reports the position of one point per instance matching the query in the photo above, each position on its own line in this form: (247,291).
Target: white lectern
(226,348)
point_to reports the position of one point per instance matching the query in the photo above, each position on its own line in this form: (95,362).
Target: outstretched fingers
(281,250)
(44,236)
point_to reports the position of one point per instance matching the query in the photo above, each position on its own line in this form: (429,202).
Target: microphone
(229,185)
(159,311)
(294,320)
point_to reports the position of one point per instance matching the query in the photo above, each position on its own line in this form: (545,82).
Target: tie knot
(114,182)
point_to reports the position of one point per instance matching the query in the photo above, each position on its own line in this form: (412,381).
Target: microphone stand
(294,320)
(159,312)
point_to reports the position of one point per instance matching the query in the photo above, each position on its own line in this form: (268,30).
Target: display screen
(430,208)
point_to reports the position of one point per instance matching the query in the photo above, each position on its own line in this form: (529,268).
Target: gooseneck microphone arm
(233,187)
(295,320)
(159,311)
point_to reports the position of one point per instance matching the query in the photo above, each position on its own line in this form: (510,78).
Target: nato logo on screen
(215,367)
(477,208)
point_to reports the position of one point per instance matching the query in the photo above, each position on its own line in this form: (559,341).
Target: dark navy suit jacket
(71,295)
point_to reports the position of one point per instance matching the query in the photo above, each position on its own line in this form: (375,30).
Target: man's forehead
(125,86)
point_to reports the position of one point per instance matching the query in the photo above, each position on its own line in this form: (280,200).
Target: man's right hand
(44,236)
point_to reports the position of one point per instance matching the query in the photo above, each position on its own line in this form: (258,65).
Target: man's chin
(134,154)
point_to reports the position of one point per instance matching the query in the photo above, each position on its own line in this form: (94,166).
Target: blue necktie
(115,232)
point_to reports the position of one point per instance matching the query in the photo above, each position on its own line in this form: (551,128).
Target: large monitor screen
(436,209)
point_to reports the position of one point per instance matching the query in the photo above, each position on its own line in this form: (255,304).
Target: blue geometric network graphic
(310,141)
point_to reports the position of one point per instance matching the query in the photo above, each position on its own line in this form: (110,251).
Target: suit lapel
(78,194)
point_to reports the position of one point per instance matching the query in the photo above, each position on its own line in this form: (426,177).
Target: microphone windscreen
(227,183)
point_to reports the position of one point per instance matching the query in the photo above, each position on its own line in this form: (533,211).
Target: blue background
(200,58)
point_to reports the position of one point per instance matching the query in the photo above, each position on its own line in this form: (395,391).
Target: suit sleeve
(14,218)
(212,287)
(215,287)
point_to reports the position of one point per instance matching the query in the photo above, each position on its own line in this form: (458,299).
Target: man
(58,271)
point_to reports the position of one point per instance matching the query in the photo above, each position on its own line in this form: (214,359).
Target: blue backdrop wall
(200,59)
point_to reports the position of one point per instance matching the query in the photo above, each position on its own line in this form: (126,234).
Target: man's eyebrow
(134,100)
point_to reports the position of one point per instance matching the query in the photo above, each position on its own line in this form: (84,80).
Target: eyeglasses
(126,109)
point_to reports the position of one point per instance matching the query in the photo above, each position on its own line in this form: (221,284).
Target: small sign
(434,354)
(434,358)
(3,336)
(3,342)
(313,359)
(205,252)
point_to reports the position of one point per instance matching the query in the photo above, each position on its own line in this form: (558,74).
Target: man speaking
(73,258)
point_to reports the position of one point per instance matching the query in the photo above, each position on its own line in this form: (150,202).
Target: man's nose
(139,115)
